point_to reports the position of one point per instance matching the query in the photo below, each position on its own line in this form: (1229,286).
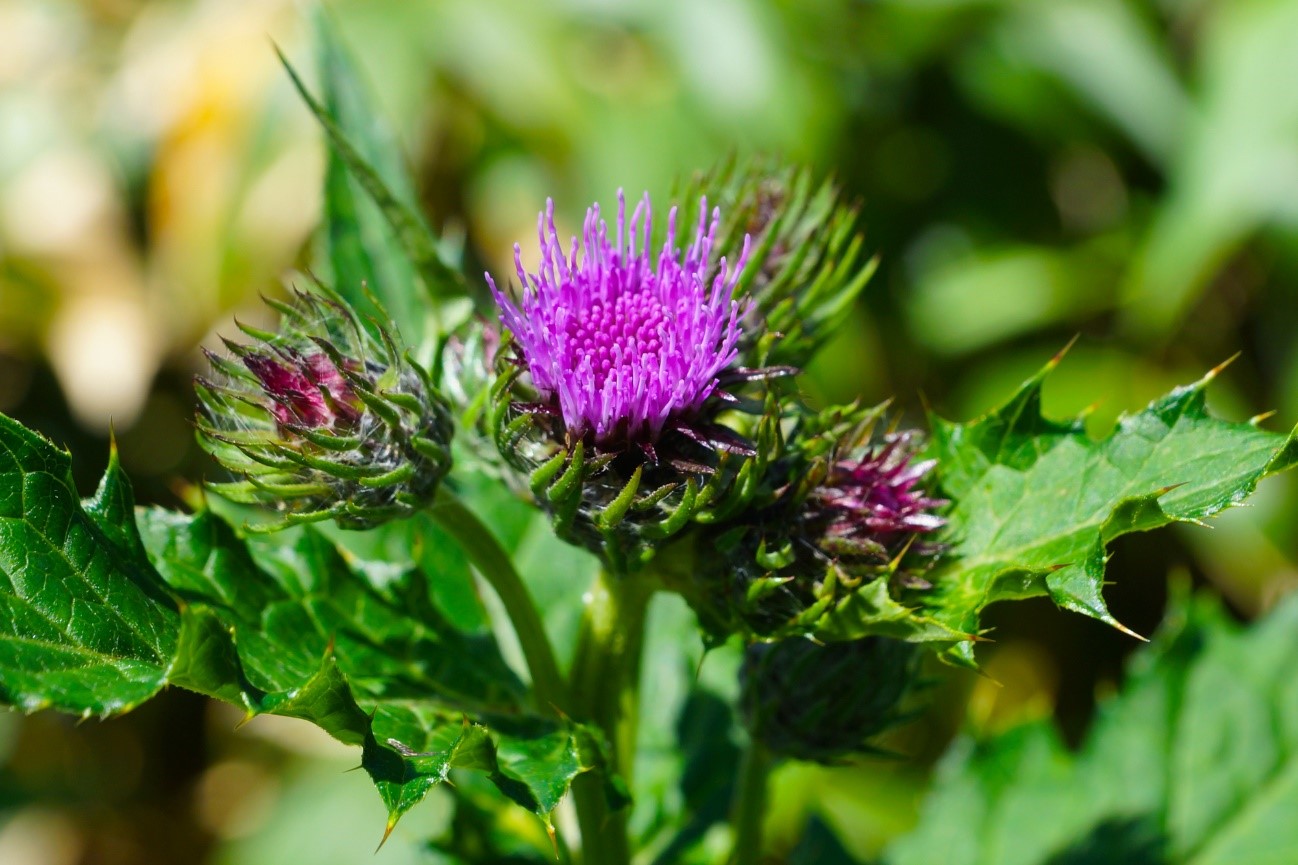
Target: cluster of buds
(325,419)
(622,398)
(844,507)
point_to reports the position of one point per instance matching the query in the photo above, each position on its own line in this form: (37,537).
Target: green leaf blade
(1196,761)
(1036,501)
(85,625)
(531,760)
(373,234)
(102,605)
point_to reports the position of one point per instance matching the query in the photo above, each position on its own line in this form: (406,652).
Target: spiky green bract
(806,262)
(626,505)
(325,420)
(833,520)
(824,702)
(1036,501)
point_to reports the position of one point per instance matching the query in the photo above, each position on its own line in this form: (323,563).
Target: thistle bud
(807,262)
(870,500)
(324,419)
(847,510)
(824,702)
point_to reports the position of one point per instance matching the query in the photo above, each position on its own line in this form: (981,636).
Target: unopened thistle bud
(871,502)
(824,702)
(848,509)
(324,419)
(807,262)
(624,354)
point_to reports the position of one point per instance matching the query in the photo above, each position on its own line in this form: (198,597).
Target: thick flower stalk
(625,343)
(324,419)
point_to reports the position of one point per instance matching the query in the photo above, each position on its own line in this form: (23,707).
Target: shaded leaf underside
(1196,763)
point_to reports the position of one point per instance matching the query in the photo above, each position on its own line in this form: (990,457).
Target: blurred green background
(1028,171)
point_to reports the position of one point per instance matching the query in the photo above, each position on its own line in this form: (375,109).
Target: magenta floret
(307,391)
(627,343)
(878,495)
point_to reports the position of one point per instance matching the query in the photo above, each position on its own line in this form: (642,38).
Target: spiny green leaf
(292,626)
(1036,500)
(290,598)
(299,596)
(86,626)
(531,760)
(872,611)
(1196,762)
(406,663)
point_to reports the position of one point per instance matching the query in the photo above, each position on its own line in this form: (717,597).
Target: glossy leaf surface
(1036,501)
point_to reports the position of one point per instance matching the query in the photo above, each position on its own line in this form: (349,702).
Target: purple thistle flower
(627,343)
(869,501)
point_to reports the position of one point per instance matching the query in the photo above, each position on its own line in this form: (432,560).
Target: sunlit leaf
(1036,501)
(98,615)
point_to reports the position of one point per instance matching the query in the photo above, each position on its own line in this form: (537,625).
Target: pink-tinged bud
(848,510)
(875,497)
(325,420)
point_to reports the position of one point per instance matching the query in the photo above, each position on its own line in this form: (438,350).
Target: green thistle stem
(749,809)
(495,566)
(605,690)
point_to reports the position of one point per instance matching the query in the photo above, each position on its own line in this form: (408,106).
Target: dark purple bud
(877,496)
(294,397)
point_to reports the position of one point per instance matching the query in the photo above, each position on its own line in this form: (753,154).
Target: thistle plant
(630,409)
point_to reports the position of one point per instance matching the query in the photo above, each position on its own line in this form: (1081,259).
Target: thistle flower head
(323,419)
(623,342)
